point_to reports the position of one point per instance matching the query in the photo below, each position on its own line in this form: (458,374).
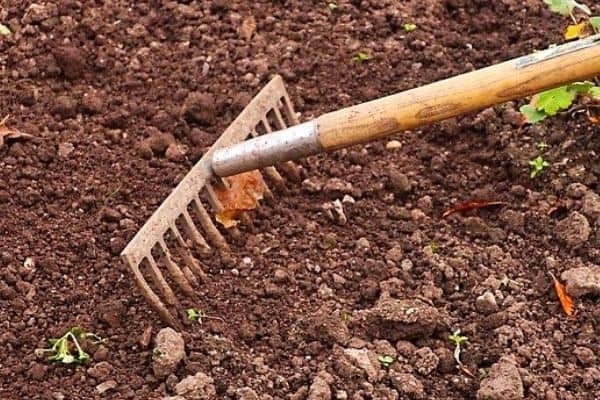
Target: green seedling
(433,247)
(409,27)
(537,166)
(551,102)
(567,7)
(333,7)
(542,146)
(4,30)
(362,57)
(458,340)
(386,361)
(61,349)
(196,315)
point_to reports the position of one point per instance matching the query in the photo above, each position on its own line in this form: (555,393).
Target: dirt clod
(574,230)
(425,361)
(502,383)
(327,326)
(196,387)
(394,319)
(582,280)
(320,389)
(407,385)
(70,60)
(168,352)
(200,108)
(486,303)
(176,152)
(366,360)
(100,370)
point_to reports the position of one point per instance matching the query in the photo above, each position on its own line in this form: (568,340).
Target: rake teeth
(165,256)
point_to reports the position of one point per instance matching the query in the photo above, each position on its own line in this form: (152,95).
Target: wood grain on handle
(459,95)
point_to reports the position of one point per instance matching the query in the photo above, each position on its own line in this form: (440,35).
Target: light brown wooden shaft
(459,95)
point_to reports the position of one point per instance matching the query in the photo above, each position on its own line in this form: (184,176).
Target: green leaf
(386,360)
(580,87)
(362,57)
(4,30)
(192,314)
(566,7)
(68,359)
(457,338)
(595,23)
(554,100)
(531,114)
(537,166)
(595,92)
(409,27)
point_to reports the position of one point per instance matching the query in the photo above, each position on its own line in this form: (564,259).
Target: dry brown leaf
(7,133)
(565,300)
(594,120)
(243,193)
(471,205)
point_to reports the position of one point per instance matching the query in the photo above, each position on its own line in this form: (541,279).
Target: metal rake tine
(175,271)
(289,111)
(193,232)
(209,227)
(161,283)
(152,298)
(190,260)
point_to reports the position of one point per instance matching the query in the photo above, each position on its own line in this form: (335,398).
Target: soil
(306,304)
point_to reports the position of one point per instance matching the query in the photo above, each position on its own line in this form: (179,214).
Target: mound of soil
(122,97)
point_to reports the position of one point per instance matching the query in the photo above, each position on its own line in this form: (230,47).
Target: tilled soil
(122,97)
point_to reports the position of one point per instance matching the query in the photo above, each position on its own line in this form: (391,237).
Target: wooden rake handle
(459,95)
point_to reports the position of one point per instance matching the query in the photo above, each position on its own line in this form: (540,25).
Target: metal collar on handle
(287,144)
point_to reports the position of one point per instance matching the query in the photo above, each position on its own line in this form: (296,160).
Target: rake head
(166,248)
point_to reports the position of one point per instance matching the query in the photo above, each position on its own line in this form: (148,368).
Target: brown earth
(307,305)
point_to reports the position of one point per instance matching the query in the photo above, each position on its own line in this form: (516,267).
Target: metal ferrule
(288,144)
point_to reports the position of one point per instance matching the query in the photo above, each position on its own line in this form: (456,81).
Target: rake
(267,135)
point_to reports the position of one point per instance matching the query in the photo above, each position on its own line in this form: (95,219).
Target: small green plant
(567,7)
(362,57)
(385,360)
(542,146)
(196,315)
(550,102)
(4,30)
(409,27)
(433,246)
(333,7)
(458,340)
(61,349)
(537,166)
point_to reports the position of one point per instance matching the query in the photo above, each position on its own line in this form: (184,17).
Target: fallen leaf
(7,133)
(565,300)
(248,28)
(576,31)
(243,193)
(594,120)
(472,205)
